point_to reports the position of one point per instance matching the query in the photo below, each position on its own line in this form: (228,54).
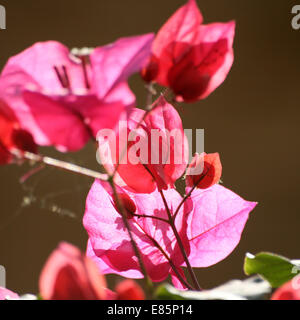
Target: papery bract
(109,243)
(190,58)
(69,275)
(215,224)
(7,124)
(204,171)
(289,291)
(210,225)
(129,290)
(12,137)
(6,294)
(65,99)
(159,146)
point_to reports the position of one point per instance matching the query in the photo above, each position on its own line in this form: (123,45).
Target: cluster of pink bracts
(51,96)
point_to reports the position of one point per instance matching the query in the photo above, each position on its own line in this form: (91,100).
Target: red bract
(210,224)
(69,275)
(207,170)
(12,137)
(129,290)
(157,152)
(65,98)
(289,291)
(190,58)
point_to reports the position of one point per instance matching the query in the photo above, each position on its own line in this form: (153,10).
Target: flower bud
(128,205)
(149,73)
(204,171)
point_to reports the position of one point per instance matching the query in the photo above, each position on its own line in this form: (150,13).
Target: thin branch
(182,280)
(179,241)
(133,243)
(151,217)
(186,197)
(62,165)
(150,93)
(159,247)
(183,201)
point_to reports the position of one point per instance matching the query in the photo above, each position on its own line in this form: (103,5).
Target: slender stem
(179,276)
(162,250)
(85,72)
(66,76)
(179,241)
(150,93)
(61,78)
(183,201)
(133,243)
(159,247)
(62,165)
(31,173)
(151,217)
(186,197)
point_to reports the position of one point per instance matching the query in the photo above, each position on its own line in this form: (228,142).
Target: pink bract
(64,99)
(215,224)
(210,225)
(109,244)
(6,294)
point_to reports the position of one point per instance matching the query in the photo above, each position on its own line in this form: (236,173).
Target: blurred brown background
(252,120)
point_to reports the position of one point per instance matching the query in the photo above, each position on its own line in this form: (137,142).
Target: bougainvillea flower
(209,170)
(157,152)
(109,243)
(210,224)
(129,290)
(12,136)
(63,98)
(70,275)
(288,291)
(6,294)
(190,58)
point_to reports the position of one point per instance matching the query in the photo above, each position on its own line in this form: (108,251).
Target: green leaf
(274,268)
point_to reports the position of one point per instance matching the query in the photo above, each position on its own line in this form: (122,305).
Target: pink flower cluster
(51,96)
(210,223)
(47,84)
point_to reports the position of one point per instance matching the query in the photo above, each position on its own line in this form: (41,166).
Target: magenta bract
(46,84)
(210,225)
